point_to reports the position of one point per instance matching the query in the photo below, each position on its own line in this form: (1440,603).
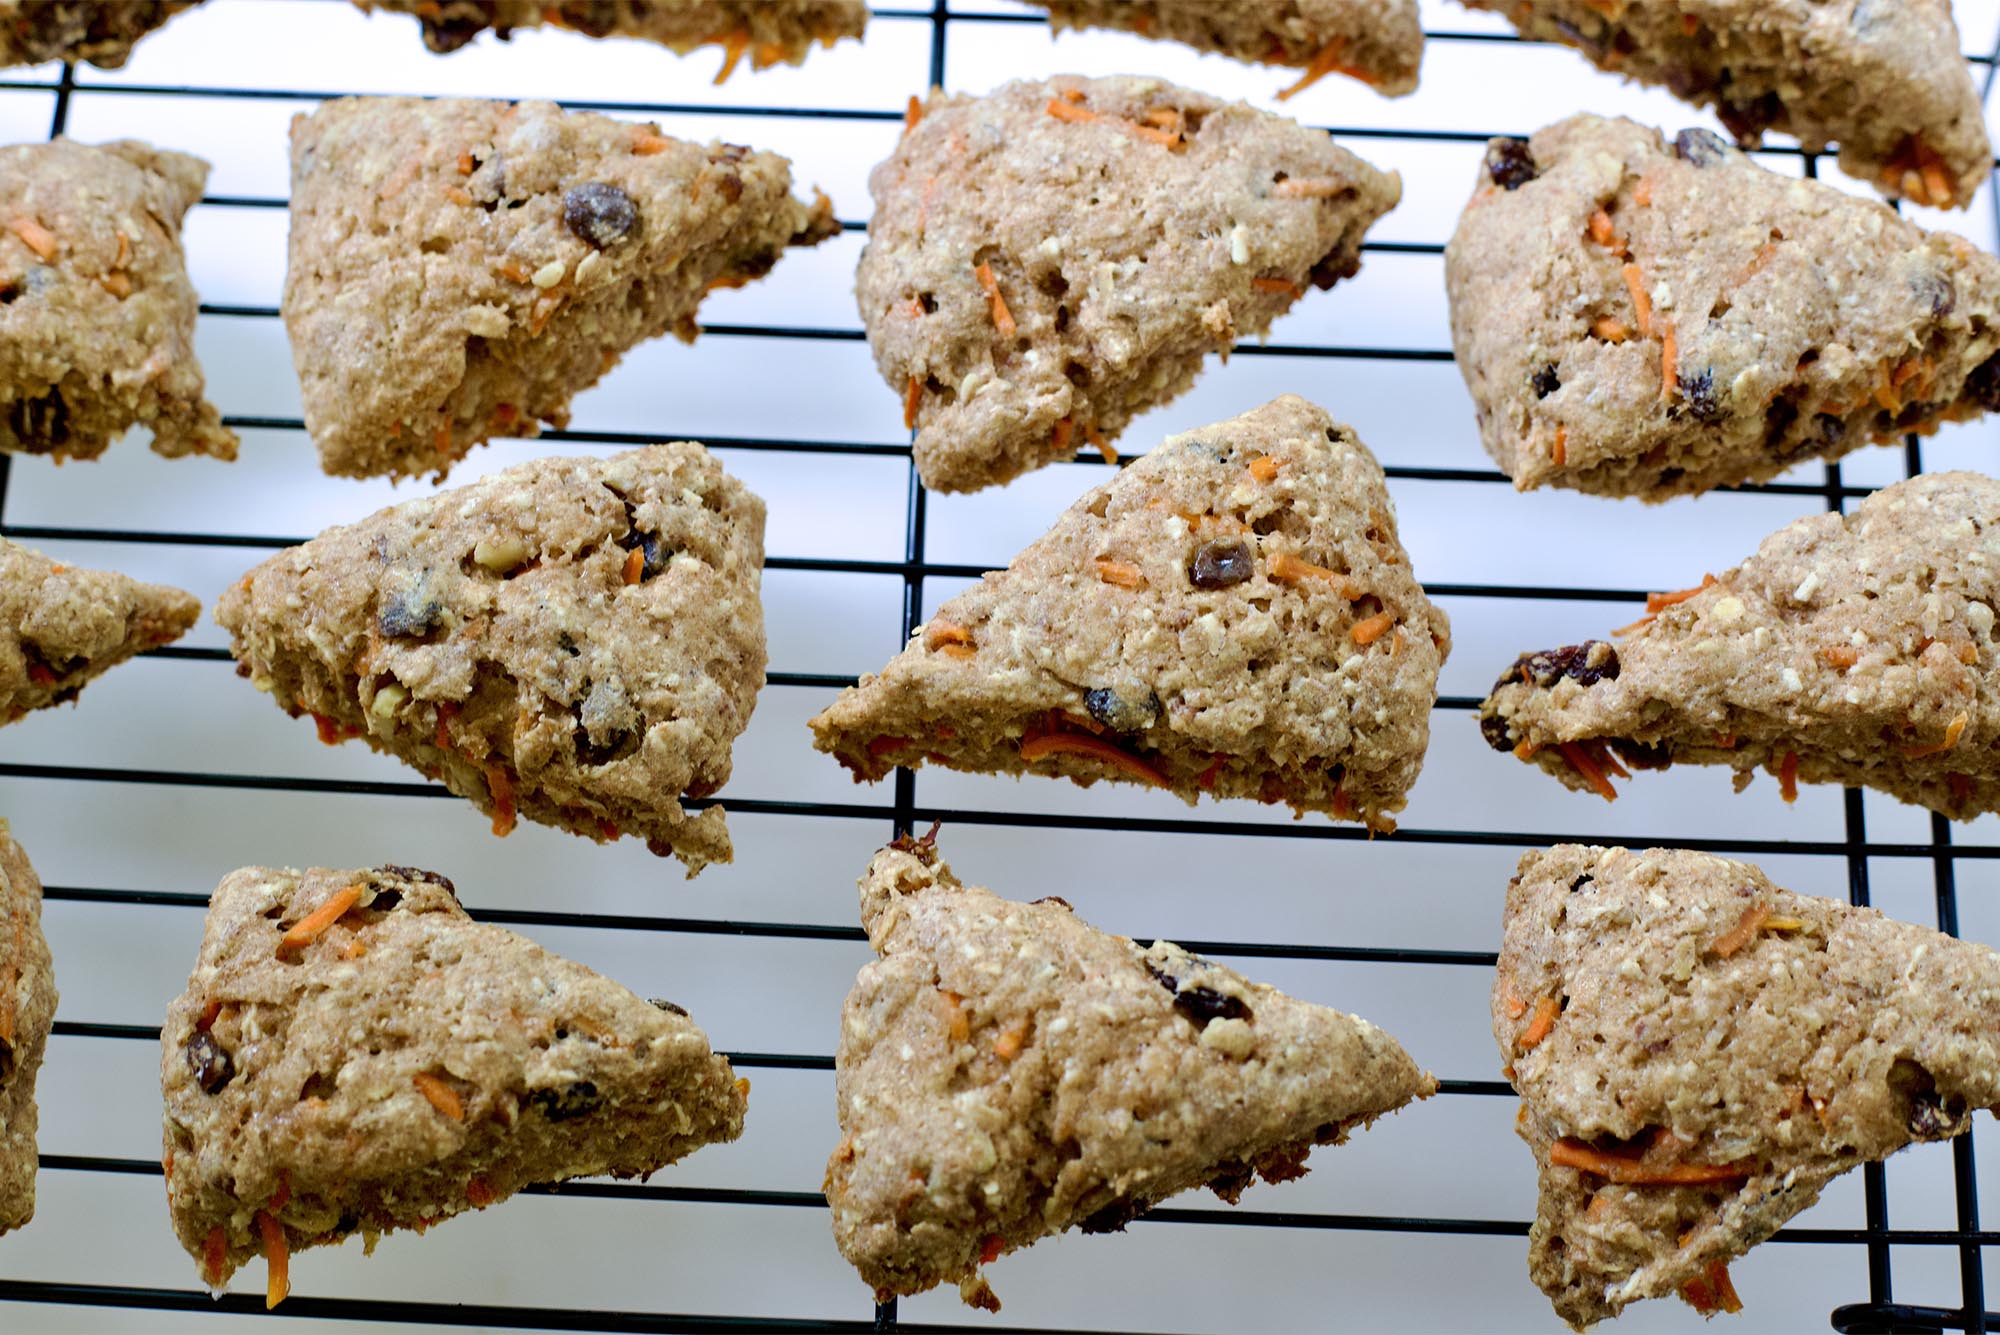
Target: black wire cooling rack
(904,810)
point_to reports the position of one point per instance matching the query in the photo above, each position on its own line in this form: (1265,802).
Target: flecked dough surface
(1050,260)
(1638,316)
(403,1065)
(27,1009)
(1008,1072)
(102,32)
(1233,614)
(576,640)
(1857,650)
(96,311)
(1670,1017)
(459,269)
(1887,82)
(769,32)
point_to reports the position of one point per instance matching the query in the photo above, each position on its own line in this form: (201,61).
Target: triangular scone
(576,640)
(1887,82)
(1698,1053)
(459,268)
(96,311)
(1856,650)
(1379,42)
(1007,1072)
(355,1054)
(102,32)
(1052,259)
(27,1009)
(1233,614)
(61,626)
(769,32)
(1643,317)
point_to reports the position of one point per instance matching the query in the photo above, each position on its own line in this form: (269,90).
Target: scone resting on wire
(1699,1053)
(1008,1072)
(1233,614)
(1852,649)
(769,32)
(101,32)
(1050,260)
(27,1009)
(577,641)
(459,269)
(353,1053)
(96,311)
(1642,317)
(1887,82)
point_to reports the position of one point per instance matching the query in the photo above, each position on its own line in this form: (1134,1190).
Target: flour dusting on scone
(459,269)
(354,1053)
(1050,260)
(1887,82)
(767,32)
(1857,650)
(102,32)
(1699,1053)
(27,1009)
(1008,1072)
(578,641)
(1642,317)
(1233,615)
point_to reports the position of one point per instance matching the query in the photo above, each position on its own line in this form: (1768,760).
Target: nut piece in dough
(770,32)
(27,1009)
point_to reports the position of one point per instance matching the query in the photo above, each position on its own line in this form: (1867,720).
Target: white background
(1454,1157)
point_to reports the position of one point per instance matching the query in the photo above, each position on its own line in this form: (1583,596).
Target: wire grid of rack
(171,772)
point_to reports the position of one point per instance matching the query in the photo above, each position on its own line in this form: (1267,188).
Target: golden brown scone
(27,1009)
(770,32)
(1699,1053)
(102,32)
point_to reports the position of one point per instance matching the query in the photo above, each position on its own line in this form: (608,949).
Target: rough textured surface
(1856,650)
(1380,42)
(1232,614)
(1708,1020)
(32,31)
(578,640)
(96,311)
(1805,322)
(1887,81)
(1128,228)
(27,1009)
(459,269)
(770,32)
(1007,1071)
(61,626)
(404,1065)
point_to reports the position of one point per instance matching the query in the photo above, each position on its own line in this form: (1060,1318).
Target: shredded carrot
(283,1195)
(1100,444)
(118,283)
(1525,750)
(277,1260)
(1325,61)
(940,634)
(646,142)
(465,162)
(37,237)
(1743,933)
(1609,329)
(309,928)
(501,785)
(1370,629)
(1003,319)
(1580,760)
(1264,468)
(354,949)
(1559,455)
(209,1014)
(440,1095)
(733,42)
(1788,777)
(635,565)
(1840,655)
(1660,602)
(1153,133)
(1952,732)
(1669,355)
(1096,748)
(1968,654)
(1282,285)
(1059,436)
(1540,1023)
(1007,1043)
(1631,1171)
(513,272)
(1071,112)
(1122,573)
(1642,301)
(911,397)
(1287,568)
(1603,232)
(1785,924)
(1690,25)
(1711,1292)
(742,1087)
(958,1026)
(1642,193)
(478,1193)
(214,1253)
(912,113)
(989,1250)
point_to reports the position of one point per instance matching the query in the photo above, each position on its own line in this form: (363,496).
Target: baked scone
(1049,260)
(1856,650)
(1007,1072)
(354,1053)
(460,268)
(1379,42)
(1699,1053)
(1233,614)
(96,310)
(1640,317)
(770,32)
(1887,82)
(62,626)
(27,1009)
(578,641)
(102,32)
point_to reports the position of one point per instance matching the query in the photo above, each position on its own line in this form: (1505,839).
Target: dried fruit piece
(211,1063)
(1221,563)
(1510,164)
(600,213)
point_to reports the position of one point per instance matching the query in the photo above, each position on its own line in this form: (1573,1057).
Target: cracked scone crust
(1049,260)
(27,1009)
(1856,650)
(576,640)
(401,1064)
(33,31)
(1640,317)
(1379,42)
(1007,1072)
(1694,1018)
(96,310)
(1887,82)
(768,32)
(459,269)
(61,626)
(1233,614)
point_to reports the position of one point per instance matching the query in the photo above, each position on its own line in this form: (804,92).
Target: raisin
(1494,729)
(1221,563)
(417,874)
(592,18)
(600,214)
(1509,164)
(1931,1116)
(560,1105)
(1200,1004)
(1748,120)
(41,425)
(1122,713)
(1343,261)
(1934,292)
(1581,882)
(446,35)
(1055,899)
(1698,393)
(1113,1217)
(1574,661)
(1831,428)
(667,1006)
(1983,385)
(386,900)
(1778,420)
(1546,382)
(409,614)
(1643,755)
(1704,148)
(211,1063)
(6,1061)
